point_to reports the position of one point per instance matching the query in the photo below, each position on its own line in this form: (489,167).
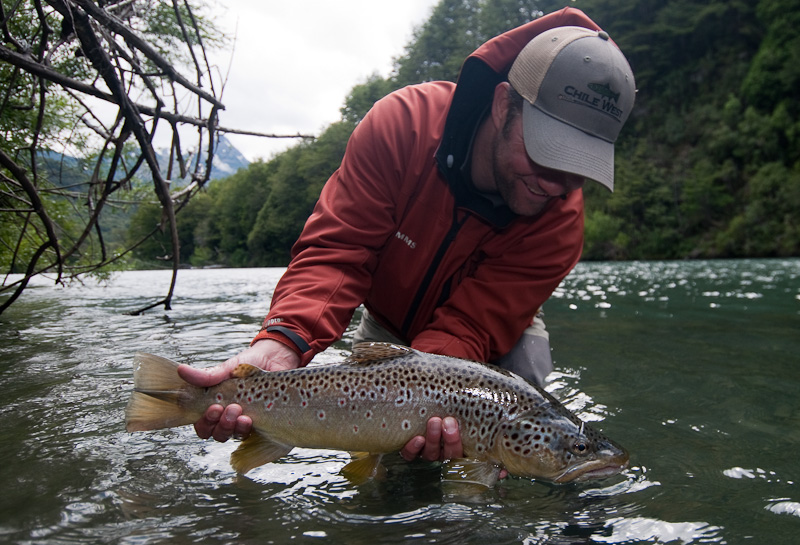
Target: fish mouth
(592,470)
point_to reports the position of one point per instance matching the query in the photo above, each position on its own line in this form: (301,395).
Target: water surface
(691,365)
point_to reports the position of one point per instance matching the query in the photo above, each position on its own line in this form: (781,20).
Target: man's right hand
(220,422)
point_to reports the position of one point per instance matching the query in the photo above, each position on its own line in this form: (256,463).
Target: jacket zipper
(455,227)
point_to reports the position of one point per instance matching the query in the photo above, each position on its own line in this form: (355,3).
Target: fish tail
(160,398)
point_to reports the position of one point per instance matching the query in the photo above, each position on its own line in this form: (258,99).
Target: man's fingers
(433,440)
(451,439)
(203,378)
(413,448)
(442,441)
(227,424)
(244,425)
(205,426)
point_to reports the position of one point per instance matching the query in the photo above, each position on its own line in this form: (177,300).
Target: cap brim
(560,146)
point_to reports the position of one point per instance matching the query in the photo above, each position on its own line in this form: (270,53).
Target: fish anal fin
(369,352)
(255,451)
(364,467)
(244,370)
(464,475)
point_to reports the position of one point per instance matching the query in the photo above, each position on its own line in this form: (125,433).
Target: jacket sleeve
(487,312)
(336,254)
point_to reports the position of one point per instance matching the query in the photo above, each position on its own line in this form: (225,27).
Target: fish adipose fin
(159,396)
(464,475)
(370,352)
(244,370)
(364,467)
(255,451)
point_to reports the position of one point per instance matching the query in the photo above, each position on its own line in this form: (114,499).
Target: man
(454,215)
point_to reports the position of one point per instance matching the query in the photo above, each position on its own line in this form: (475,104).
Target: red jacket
(399,228)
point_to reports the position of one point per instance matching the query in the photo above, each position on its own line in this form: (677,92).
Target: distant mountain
(227,160)
(64,170)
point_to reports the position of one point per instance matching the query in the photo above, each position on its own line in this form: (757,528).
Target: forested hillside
(708,165)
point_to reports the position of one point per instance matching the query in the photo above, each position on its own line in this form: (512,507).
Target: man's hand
(220,422)
(442,441)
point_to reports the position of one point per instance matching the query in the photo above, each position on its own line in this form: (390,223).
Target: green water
(693,366)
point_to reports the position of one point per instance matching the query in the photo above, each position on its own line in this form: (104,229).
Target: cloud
(295,62)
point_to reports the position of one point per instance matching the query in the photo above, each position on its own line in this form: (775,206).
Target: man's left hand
(442,441)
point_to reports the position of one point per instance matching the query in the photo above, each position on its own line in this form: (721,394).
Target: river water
(693,366)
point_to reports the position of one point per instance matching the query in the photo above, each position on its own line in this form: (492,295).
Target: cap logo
(603,89)
(601,98)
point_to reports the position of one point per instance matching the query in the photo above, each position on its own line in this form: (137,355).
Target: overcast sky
(294,62)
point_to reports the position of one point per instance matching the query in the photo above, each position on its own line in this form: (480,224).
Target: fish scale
(375,402)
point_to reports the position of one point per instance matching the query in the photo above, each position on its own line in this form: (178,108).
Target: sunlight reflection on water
(690,365)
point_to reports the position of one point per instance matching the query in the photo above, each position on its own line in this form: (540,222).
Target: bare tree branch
(78,74)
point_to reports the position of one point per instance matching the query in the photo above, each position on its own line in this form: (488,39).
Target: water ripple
(690,365)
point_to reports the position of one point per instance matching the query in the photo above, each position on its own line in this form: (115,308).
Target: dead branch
(77,75)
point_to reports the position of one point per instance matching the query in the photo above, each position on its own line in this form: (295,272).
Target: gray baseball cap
(579,91)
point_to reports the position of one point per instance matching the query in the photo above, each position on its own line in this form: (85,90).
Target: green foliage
(708,165)
(163,29)
(253,217)
(363,96)
(296,183)
(714,134)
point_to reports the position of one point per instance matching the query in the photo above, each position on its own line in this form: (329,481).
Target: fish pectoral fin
(255,451)
(363,467)
(470,472)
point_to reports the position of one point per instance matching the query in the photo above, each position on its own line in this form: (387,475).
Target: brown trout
(375,402)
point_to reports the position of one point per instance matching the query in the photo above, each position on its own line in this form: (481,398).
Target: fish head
(557,447)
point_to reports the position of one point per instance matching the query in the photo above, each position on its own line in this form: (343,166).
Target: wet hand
(442,441)
(220,422)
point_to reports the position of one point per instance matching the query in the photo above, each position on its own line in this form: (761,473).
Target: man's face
(525,186)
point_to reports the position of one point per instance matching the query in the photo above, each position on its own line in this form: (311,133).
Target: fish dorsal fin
(373,352)
(244,370)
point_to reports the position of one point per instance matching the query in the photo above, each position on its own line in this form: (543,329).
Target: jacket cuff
(285,336)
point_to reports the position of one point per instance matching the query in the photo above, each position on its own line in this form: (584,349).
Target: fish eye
(579,447)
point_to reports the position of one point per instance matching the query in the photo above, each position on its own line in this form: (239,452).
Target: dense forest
(707,166)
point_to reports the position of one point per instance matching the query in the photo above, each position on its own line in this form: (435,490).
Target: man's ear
(500,104)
